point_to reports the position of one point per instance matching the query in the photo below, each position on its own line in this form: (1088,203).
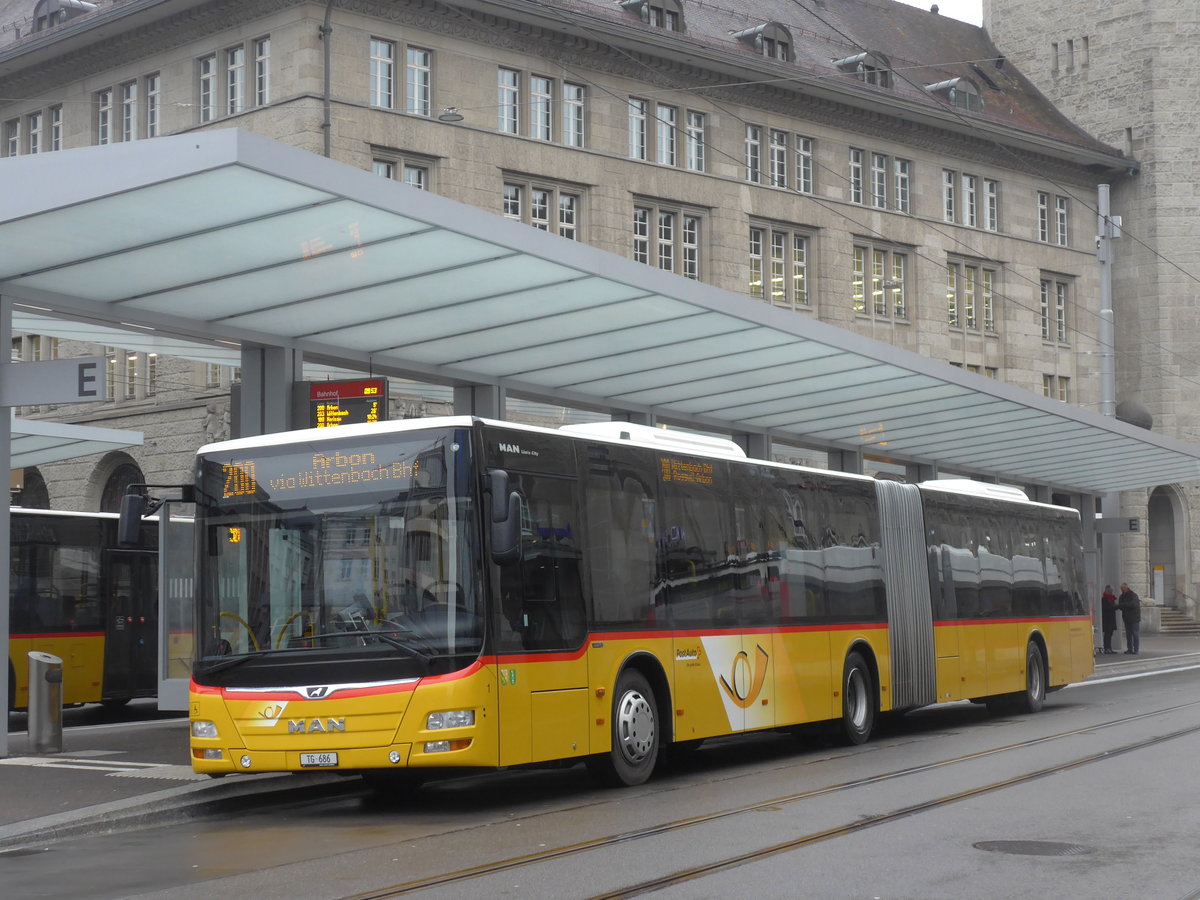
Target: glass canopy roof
(225,237)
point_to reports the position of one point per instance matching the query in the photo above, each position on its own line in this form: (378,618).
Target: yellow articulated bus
(405,597)
(77,594)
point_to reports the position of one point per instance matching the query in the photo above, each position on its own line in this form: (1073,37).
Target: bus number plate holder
(318,760)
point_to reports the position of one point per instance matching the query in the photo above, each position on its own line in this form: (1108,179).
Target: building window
(509,101)
(694,141)
(879,180)
(878,287)
(804,164)
(856,176)
(664,14)
(208,88)
(1057,386)
(1059,232)
(779,266)
(637,129)
(970,201)
(902,181)
(104,116)
(949,201)
(753,153)
(235,80)
(667,238)
(664,130)
(383,62)
(33,132)
(541,108)
(129,111)
(572,114)
(969,297)
(410,169)
(1054,310)
(212,375)
(991,204)
(869,68)
(12,137)
(262,71)
(959,92)
(153,105)
(547,207)
(56,127)
(779,159)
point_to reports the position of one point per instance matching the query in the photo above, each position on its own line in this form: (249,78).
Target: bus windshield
(360,548)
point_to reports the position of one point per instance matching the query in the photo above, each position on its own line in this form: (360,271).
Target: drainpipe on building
(327,123)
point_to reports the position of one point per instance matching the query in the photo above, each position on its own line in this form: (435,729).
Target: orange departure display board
(347,402)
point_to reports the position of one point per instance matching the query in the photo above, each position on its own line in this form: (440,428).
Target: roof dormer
(664,14)
(868,67)
(49,13)
(960,92)
(770,39)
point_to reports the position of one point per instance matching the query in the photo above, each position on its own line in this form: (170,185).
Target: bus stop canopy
(229,239)
(36,442)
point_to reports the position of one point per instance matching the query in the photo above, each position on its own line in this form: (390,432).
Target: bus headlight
(202,729)
(454,718)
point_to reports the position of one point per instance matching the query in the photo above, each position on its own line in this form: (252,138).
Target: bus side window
(541,595)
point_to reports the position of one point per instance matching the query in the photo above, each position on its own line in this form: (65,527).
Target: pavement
(121,775)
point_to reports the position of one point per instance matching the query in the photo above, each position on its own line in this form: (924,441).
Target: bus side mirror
(505,519)
(129,526)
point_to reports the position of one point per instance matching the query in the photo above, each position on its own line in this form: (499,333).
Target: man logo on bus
(316,693)
(741,687)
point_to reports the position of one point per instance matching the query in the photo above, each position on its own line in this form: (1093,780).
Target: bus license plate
(318,760)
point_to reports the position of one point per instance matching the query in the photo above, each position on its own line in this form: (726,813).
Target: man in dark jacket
(1108,617)
(1130,605)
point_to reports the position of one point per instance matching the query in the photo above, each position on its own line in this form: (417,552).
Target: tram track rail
(691,873)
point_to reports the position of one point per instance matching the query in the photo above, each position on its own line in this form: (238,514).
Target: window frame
(783,253)
(885,267)
(668,236)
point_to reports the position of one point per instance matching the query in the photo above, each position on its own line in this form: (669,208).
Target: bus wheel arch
(860,695)
(638,726)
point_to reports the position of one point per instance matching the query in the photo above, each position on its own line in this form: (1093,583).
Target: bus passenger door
(541,660)
(131,629)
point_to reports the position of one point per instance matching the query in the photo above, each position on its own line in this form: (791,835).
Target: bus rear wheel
(635,734)
(858,700)
(1034,697)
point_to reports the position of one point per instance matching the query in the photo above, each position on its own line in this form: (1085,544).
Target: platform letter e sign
(87,380)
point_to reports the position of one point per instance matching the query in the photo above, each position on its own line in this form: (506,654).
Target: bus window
(541,596)
(619,512)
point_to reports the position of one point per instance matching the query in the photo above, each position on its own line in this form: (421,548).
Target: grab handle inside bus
(505,519)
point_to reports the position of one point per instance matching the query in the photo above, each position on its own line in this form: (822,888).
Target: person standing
(1130,605)
(1108,617)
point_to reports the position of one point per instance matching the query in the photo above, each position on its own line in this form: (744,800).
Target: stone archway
(112,477)
(33,494)
(1167,533)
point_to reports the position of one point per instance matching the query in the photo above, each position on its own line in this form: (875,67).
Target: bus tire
(858,700)
(1034,697)
(635,734)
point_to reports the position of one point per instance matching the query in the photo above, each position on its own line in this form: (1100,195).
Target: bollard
(45,703)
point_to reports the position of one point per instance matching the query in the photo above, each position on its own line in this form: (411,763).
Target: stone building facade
(863,163)
(1126,71)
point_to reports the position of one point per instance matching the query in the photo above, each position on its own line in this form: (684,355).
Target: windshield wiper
(423,654)
(232,661)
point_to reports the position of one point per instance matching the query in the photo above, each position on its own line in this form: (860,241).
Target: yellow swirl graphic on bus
(741,689)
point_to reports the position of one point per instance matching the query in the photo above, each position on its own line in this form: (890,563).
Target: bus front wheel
(635,734)
(858,700)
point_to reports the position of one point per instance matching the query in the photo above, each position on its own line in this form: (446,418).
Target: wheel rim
(856,699)
(635,727)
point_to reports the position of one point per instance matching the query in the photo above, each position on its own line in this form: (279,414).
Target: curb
(170,804)
(1149,664)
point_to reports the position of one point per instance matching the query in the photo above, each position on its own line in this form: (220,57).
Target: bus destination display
(330,472)
(347,402)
